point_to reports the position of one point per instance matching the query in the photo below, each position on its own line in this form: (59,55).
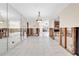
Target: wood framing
(51,32)
(65,29)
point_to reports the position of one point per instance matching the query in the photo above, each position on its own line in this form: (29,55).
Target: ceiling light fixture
(39,19)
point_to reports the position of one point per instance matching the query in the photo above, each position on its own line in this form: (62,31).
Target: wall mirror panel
(63,36)
(3,28)
(70,42)
(12,27)
(14,20)
(23,28)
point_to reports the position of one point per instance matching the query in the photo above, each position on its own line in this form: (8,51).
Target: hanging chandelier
(39,19)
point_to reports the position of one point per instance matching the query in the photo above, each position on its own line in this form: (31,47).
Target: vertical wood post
(65,37)
(60,36)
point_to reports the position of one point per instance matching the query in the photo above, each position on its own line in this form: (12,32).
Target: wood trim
(51,33)
(27,25)
(37,31)
(74,38)
(65,37)
(63,32)
(60,36)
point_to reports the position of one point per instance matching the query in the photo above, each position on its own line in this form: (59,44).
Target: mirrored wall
(23,29)
(3,28)
(14,19)
(12,28)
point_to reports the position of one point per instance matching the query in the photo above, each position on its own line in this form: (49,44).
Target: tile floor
(38,46)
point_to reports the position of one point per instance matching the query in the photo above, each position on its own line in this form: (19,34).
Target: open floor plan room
(39,29)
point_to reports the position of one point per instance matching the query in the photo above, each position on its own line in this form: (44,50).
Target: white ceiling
(30,10)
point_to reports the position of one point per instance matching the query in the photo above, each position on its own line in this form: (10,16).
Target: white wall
(51,23)
(69,17)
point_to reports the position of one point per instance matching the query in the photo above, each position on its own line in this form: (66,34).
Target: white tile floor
(13,37)
(38,46)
